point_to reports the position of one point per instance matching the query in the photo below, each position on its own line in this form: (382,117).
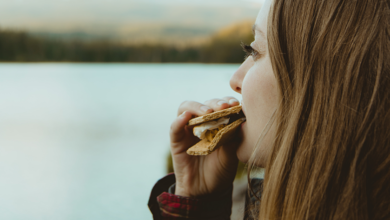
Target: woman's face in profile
(256,82)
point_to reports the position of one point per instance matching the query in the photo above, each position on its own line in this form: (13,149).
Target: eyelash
(250,51)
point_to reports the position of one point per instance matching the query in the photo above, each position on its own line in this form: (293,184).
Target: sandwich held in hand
(215,129)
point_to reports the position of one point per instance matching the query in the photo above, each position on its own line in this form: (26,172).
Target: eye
(250,51)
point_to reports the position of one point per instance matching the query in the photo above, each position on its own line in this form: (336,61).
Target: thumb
(178,127)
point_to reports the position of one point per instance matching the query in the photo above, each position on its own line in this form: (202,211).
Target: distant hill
(224,45)
(237,30)
(220,47)
(125,20)
(149,34)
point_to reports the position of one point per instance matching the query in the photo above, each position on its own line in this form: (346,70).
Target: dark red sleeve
(167,206)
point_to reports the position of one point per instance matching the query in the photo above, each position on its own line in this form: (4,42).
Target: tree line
(222,47)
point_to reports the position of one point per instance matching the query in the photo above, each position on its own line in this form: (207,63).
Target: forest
(221,47)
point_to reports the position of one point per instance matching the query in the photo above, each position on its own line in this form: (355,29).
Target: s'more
(215,129)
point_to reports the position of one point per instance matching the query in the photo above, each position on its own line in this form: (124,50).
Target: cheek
(259,100)
(259,90)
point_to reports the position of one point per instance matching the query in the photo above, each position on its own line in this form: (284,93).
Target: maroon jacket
(165,205)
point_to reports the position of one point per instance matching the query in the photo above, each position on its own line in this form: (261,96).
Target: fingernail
(183,114)
(205,108)
(231,101)
(221,102)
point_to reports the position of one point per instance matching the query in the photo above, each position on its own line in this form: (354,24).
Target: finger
(231,100)
(195,108)
(178,127)
(217,104)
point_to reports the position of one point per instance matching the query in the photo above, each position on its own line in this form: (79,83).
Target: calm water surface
(88,141)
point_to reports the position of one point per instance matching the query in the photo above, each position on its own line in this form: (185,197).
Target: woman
(316,99)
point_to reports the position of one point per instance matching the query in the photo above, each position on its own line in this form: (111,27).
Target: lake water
(88,141)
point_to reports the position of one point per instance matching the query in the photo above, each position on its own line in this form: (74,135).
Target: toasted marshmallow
(201,130)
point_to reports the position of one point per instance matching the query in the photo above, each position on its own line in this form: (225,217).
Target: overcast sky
(80,14)
(197,2)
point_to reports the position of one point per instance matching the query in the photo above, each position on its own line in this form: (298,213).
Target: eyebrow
(256,28)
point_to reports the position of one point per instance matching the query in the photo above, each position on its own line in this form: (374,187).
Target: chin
(244,151)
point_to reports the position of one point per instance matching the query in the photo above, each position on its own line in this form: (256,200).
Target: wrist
(181,192)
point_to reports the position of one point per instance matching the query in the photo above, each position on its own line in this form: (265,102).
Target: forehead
(261,20)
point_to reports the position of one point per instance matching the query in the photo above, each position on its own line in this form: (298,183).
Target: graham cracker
(215,115)
(205,147)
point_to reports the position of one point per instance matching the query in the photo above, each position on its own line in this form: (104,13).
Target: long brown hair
(331,155)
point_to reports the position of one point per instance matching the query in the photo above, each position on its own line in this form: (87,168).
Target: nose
(239,75)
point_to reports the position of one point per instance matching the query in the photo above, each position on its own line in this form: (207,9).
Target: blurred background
(89,88)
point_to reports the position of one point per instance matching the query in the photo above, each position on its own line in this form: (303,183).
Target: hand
(197,176)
